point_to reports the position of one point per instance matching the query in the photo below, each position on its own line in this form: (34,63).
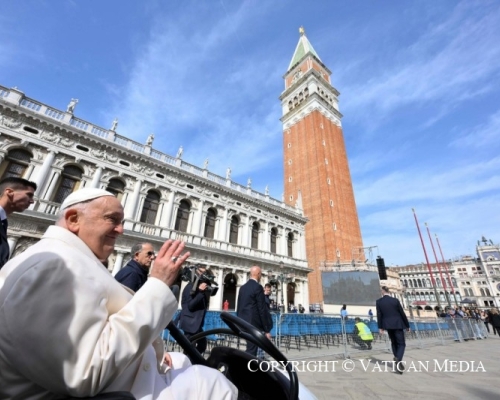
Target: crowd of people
(460,313)
(98,331)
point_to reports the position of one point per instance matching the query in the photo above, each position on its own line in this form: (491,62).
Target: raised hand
(169,261)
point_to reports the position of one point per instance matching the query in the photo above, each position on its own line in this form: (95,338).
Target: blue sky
(419,85)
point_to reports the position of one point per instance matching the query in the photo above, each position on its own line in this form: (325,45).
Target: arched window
(428,281)
(69,182)
(433,298)
(233,230)
(117,187)
(274,235)
(482,292)
(181,221)
(410,283)
(427,296)
(419,283)
(17,163)
(210,224)
(441,296)
(457,295)
(454,281)
(415,283)
(487,292)
(438,282)
(289,244)
(150,208)
(255,235)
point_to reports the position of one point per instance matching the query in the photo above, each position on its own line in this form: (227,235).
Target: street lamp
(279,280)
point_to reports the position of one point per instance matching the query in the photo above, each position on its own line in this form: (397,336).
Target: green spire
(303,47)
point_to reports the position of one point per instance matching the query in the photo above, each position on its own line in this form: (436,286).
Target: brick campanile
(316,169)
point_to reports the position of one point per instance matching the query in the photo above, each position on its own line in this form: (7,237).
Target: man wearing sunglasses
(135,273)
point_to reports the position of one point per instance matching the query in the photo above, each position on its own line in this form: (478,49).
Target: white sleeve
(69,334)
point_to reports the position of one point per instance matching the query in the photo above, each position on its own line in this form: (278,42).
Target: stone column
(52,185)
(246,233)
(285,294)
(283,242)
(302,246)
(222,235)
(118,262)
(140,206)
(97,178)
(295,246)
(301,285)
(266,237)
(198,220)
(216,301)
(28,172)
(44,172)
(217,226)
(279,241)
(240,282)
(131,206)
(166,217)
(159,214)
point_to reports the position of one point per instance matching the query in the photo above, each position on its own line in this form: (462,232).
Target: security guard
(362,334)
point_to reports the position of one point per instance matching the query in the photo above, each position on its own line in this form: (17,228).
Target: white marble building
(227,226)
(479,278)
(419,291)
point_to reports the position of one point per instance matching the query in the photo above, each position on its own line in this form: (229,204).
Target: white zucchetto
(83,195)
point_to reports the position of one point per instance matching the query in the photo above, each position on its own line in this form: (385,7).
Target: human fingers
(164,248)
(169,261)
(180,260)
(175,249)
(167,359)
(171,249)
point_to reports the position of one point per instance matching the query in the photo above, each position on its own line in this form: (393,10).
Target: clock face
(498,287)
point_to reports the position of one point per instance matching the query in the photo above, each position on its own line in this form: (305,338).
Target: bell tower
(316,168)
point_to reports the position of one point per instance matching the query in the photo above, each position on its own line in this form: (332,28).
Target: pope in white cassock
(67,328)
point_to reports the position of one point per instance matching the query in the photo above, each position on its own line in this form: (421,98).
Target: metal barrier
(310,335)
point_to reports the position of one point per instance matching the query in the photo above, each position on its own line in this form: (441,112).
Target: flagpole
(439,267)
(447,271)
(427,260)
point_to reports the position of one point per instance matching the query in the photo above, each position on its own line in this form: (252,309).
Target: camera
(189,274)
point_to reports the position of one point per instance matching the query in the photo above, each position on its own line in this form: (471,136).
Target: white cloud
(429,184)
(187,89)
(483,135)
(451,62)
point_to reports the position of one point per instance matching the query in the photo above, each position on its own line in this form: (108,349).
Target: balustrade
(39,108)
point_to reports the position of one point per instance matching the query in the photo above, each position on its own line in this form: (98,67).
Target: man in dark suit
(267,293)
(252,307)
(391,317)
(135,273)
(16,194)
(194,307)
